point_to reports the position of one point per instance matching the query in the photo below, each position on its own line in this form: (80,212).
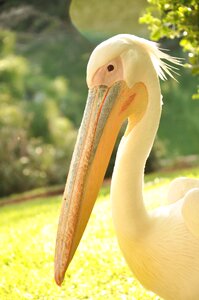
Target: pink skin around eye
(105,77)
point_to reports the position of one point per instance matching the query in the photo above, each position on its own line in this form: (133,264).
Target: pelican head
(116,75)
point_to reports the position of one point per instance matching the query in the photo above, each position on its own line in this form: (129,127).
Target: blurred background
(44,49)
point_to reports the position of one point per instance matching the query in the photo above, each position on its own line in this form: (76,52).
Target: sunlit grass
(98,270)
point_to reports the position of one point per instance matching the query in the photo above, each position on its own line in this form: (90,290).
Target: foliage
(36,139)
(97,271)
(179,126)
(28,162)
(176,19)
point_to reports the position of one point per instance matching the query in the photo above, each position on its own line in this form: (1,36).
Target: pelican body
(161,247)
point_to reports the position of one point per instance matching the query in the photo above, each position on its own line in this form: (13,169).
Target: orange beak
(105,111)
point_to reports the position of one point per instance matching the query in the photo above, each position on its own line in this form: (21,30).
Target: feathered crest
(158,56)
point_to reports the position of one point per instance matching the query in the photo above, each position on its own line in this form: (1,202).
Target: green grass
(98,270)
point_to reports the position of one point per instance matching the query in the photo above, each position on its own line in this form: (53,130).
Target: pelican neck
(129,212)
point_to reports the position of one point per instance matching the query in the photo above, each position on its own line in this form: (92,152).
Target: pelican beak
(103,117)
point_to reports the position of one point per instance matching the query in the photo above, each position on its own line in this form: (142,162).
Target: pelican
(161,247)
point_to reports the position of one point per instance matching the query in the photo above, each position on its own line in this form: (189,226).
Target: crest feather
(158,58)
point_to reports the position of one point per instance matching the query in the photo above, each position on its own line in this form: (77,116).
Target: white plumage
(161,247)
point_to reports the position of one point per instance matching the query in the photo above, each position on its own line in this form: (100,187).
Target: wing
(179,187)
(190,211)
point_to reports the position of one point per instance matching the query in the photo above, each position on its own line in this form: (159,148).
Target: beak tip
(58,279)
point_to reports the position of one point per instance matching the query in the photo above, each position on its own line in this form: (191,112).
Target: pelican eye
(110,68)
